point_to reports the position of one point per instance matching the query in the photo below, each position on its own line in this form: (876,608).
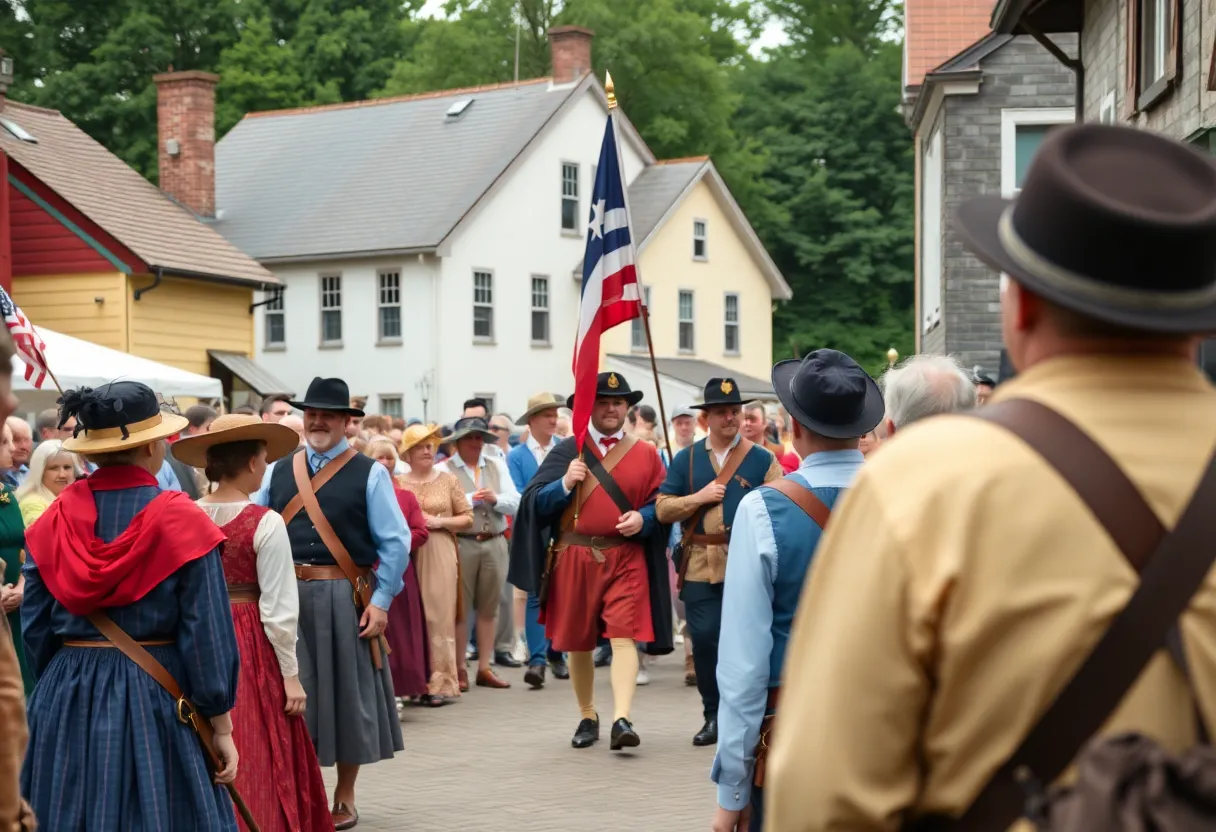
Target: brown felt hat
(1114,223)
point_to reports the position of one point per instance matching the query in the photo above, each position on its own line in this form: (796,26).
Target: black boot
(559,667)
(535,676)
(708,735)
(587,733)
(623,735)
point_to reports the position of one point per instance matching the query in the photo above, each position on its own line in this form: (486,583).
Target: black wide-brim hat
(1115,223)
(611,386)
(828,392)
(721,391)
(328,394)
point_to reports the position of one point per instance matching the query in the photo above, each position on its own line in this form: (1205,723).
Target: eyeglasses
(499,429)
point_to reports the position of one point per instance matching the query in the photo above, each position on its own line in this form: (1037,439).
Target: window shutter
(1131,85)
(1173,53)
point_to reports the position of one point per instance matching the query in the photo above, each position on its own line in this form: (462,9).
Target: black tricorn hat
(611,385)
(327,394)
(1115,223)
(720,391)
(828,392)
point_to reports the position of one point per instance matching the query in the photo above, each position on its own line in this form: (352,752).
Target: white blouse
(279,604)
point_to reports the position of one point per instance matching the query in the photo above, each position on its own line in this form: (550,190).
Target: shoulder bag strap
(804,498)
(1168,581)
(730,466)
(362,592)
(134,651)
(318,481)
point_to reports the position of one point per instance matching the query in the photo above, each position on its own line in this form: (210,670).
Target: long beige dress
(437,563)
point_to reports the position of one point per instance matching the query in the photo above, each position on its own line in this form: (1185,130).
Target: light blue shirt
(384,520)
(745,644)
(167,478)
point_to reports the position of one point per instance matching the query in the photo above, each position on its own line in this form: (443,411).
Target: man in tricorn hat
(986,558)
(832,403)
(703,488)
(586,529)
(343,518)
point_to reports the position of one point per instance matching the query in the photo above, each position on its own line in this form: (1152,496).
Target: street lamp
(892,357)
(424,393)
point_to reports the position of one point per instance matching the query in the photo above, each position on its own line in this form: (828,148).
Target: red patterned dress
(279,776)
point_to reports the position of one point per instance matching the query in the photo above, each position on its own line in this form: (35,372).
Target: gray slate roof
(697,373)
(655,190)
(382,175)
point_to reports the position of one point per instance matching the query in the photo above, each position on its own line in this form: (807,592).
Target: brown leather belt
(244,593)
(481,537)
(766,737)
(720,539)
(309,572)
(596,543)
(156,642)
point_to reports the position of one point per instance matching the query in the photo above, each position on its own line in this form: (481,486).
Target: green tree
(258,72)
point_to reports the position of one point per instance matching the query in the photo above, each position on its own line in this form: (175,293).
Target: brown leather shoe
(690,672)
(487,679)
(344,817)
(462,678)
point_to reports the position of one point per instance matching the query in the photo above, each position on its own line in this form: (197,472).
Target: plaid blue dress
(106,749)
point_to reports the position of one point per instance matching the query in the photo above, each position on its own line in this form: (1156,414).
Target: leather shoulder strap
(318,481)
(1170,575)
(804,498)
(587,487)
(730,466)
(328,536)
(604,477)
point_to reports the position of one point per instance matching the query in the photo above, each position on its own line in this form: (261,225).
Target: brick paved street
(501,761)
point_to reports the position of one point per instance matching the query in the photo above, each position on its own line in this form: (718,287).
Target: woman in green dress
(12,552)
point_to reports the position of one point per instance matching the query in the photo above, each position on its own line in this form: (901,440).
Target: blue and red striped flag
(26,339)
(610,293)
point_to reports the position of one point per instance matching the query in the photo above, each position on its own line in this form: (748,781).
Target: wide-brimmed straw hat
(237,427)
(1115,223)
(416,435)
(118,417)
(540,403)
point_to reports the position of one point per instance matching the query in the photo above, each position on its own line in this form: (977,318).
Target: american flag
(26,339)
(611,294)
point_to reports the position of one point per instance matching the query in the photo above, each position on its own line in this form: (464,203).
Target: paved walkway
(501,761)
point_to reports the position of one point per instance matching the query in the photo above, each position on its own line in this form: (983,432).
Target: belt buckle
(185,713)
(360,582)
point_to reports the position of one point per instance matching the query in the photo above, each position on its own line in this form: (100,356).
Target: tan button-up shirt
(705,563)
(961,584)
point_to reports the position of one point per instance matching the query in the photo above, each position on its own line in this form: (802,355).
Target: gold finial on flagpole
(611,90)
(892,357)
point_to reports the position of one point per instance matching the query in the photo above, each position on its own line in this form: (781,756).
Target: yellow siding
(178,321)
(666,265)
(68,304)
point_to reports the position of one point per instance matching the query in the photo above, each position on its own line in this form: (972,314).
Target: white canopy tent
(79,363)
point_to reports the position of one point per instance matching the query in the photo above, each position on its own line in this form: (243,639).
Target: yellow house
(710,286)
(99,253)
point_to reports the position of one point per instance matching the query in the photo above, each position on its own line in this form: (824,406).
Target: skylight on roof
(457,109)
(17,130)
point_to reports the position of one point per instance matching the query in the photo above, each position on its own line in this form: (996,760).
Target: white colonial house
(426,242)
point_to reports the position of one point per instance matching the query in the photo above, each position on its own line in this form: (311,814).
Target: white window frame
(727,324)
(932,198)
(382,304)
(1107,114)
(1161,11)
(637,327)
(337,289)
(477,304)
(1011,120)
(274,308)
(702,238)
(542,308)
(490,400)
(385,408)
(692,322)
(568,197)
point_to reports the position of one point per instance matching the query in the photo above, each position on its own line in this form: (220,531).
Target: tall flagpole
(620,163)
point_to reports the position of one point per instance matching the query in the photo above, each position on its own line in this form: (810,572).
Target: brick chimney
(185,126)
(571,50)
(937,30)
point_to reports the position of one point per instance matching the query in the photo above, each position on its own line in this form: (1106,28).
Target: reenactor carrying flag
(703,488)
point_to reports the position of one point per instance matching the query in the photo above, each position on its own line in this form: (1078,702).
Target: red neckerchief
(84,573)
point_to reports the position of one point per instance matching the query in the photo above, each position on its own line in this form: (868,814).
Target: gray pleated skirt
(351,713)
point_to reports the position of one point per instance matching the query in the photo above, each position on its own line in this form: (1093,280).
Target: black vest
(343,502)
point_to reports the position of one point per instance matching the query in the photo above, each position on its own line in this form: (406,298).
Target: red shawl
(84,573)
(419,533)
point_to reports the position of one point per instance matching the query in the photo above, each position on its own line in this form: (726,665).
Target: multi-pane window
(638,335)
(731,334)
(687,344)
(276,324)
(392,406)
(700,250)
(331,309)
(488,398)
(540,310)
(390,305)
(1156,21)
(569,196)
(483,306)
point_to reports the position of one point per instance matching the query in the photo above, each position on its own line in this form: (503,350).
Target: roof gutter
(160,275)
(285,259)
(1009,18)
(925,91)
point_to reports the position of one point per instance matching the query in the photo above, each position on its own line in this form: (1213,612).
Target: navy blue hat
(611,386)
(828,393)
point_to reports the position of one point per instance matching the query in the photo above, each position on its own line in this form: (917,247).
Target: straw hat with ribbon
(118,417)
(237,427)
(416,435)
(540,403)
